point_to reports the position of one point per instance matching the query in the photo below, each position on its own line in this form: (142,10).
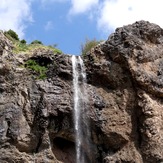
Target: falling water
(80,101)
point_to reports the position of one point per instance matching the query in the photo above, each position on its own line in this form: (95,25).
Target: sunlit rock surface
(125,89)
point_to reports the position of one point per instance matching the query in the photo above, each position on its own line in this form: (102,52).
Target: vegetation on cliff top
(20,46)
(38,70)
(88,45)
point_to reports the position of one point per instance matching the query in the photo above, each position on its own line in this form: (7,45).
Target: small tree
(12,34)
(36,42)
(23,41)
(88,45)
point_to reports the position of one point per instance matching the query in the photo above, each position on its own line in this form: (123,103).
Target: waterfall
(81,124)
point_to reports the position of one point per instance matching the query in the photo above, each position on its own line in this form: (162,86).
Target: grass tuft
(35,67)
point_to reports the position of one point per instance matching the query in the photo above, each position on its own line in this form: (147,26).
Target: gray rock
(125,109)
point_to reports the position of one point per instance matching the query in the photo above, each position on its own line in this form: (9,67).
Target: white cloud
(116,13)
(49,25)
(14,15)
(82,6)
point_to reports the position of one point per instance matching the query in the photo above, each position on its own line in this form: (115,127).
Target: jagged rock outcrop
(125,87)
(126,72)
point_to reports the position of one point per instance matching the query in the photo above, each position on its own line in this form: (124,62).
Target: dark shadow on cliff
(64,150)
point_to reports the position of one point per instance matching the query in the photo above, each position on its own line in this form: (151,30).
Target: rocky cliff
(125,109)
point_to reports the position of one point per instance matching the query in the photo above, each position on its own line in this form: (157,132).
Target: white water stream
(80,103)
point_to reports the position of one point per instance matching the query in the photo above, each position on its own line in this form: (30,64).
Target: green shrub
(88,45)
(36,42)
(12,34)
(34,66)
(23,41)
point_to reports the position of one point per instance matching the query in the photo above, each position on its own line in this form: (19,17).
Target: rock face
(125,87)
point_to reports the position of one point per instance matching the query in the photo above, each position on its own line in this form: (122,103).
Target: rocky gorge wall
(125,109)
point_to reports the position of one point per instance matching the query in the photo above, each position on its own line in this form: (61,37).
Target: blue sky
(53,23)
(68,23)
